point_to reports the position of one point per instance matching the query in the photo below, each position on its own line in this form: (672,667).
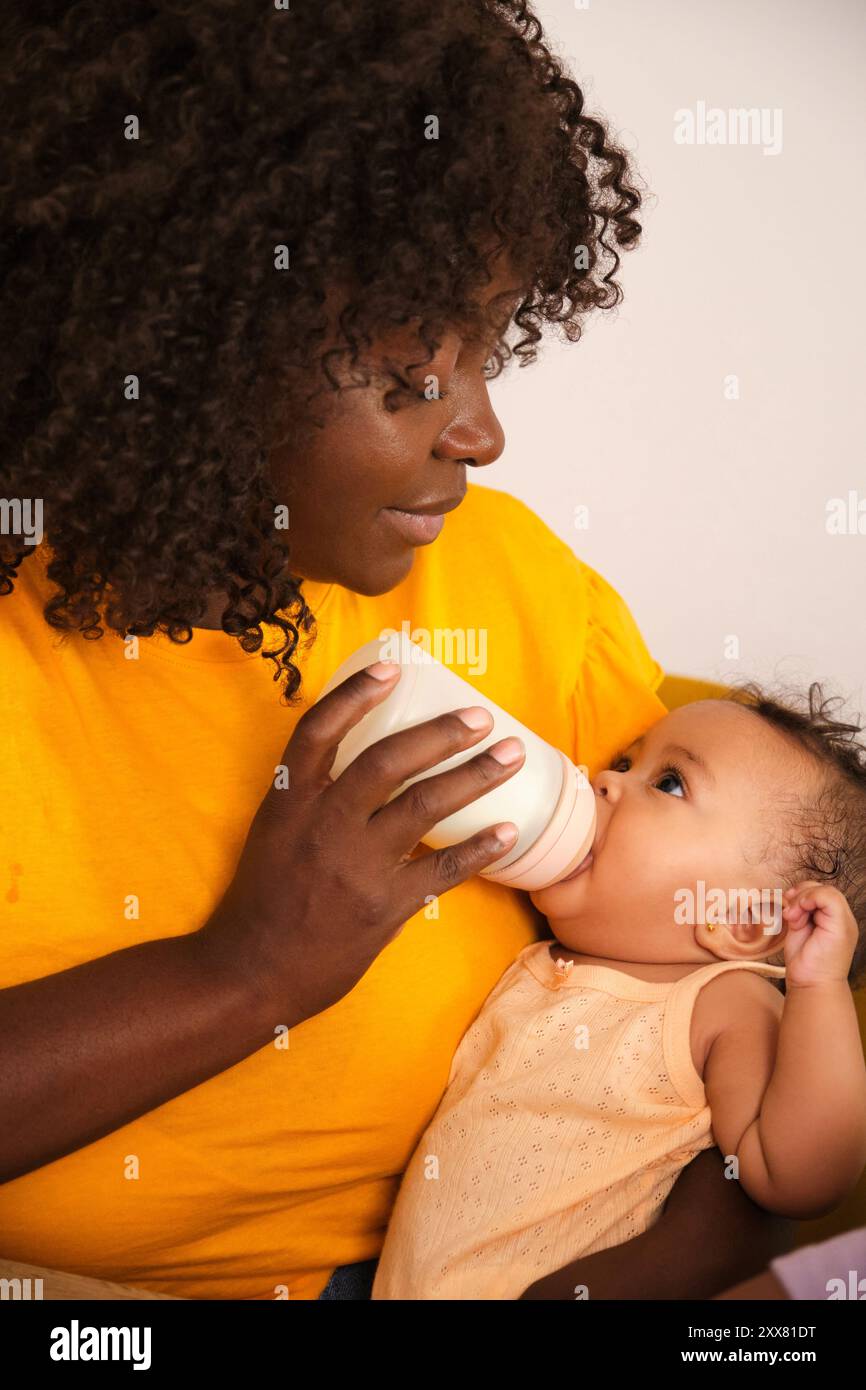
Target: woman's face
(371,485)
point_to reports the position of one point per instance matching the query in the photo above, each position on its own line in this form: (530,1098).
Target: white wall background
(710,515)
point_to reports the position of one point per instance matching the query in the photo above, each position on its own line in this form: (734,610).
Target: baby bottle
(549,799)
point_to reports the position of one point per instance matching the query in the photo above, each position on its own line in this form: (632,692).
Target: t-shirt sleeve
(819,1271)
(615,696)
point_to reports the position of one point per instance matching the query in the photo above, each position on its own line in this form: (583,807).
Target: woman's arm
(89,1049)
(812,1273)
(763,1286)
(709,1236)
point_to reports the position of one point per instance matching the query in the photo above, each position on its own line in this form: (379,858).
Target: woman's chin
(378,576)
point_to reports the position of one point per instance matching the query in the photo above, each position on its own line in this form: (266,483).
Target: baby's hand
(821,935)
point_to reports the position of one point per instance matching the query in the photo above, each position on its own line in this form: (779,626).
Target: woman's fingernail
(507,752)
(382,670)
(505,833)
(477,717)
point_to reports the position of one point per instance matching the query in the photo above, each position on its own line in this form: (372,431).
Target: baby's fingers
(795,915)
(809,895)
(795,908)
(797,889)
(827,907)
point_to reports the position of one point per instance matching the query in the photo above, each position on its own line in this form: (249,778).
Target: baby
(730,855)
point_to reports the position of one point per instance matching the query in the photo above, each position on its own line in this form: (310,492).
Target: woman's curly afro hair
(154,258)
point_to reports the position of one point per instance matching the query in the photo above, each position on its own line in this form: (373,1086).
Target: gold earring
(710,928)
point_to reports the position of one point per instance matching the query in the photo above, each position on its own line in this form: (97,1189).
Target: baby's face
(705,795)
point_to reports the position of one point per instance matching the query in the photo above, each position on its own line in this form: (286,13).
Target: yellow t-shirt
(140,777)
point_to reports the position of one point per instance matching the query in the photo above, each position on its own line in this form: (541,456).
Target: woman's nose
(474,435)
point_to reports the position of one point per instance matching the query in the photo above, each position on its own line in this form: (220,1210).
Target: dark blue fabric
(351,1281)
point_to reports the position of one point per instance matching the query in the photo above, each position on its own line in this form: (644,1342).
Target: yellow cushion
(682,690)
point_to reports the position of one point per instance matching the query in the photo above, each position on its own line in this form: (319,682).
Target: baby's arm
(789,1098)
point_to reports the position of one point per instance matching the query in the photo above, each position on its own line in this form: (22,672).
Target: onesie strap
(676,1028)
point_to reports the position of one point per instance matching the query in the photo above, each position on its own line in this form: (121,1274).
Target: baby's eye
(620,764)
(670,782)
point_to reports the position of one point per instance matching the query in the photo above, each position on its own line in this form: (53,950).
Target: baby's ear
(762,924)
(713,937)
(749,927)
(778,927)
(762,927)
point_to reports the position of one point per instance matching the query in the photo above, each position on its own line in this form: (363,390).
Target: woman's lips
(413,526)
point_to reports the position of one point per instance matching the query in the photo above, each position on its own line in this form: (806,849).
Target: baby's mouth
(584,864)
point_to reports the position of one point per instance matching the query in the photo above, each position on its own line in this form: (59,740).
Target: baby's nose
(606,784)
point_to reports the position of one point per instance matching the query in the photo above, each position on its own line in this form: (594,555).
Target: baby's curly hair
(154,258)
(827,838)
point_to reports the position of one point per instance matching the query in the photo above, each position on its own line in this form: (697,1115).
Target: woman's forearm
(806,1168)
(86,1050)
(709,1236)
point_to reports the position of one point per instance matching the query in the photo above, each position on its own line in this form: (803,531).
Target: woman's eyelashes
(669,774)
(406,396)
(426,391)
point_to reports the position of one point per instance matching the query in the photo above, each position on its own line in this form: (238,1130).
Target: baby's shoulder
(732,999)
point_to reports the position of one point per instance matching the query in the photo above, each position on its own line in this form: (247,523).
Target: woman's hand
(326,878)
(709,1235)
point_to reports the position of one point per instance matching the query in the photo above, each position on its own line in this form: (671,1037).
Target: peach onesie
(572,1105)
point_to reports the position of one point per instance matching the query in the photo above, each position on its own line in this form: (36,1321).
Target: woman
(259,267)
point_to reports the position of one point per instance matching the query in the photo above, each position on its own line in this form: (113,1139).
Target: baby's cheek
(562,902)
